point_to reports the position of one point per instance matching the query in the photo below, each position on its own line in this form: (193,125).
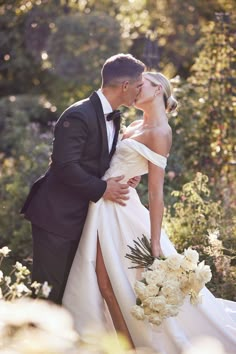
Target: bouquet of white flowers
(166,282)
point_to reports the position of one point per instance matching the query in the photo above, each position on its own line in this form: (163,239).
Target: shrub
(196,220)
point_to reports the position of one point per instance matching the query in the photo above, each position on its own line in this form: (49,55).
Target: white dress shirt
(109,125)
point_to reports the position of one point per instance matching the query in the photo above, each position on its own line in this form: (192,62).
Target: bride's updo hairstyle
(156,79)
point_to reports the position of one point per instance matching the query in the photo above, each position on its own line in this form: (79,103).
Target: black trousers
(52,260)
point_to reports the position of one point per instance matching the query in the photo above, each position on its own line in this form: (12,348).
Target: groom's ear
(125,85)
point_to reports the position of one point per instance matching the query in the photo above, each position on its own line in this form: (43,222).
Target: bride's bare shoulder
(160,139)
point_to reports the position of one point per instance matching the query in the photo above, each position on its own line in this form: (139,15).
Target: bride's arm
(160,143)
(156,205)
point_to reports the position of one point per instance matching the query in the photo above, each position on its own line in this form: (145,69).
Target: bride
(99,292)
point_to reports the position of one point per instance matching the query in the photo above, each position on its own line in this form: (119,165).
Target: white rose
(174,261)
(169,287)
(195,283)
(140,289)
(151,290)
(195,298)
(172,293)
(203,272)
(155,303)
(156,264)
(1,275)
(174,275)
(188,265)
(147,303)
(191,255)
(185,285)
(138,312)
(155,277)
(159,265)
(155,319)
(147,310)
(176,299)
(171,311)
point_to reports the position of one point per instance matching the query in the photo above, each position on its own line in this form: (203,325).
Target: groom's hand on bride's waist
(116,191)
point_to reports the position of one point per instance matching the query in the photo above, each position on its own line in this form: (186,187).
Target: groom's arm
(70,138)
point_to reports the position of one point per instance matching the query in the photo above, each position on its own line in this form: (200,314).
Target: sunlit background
(51,53)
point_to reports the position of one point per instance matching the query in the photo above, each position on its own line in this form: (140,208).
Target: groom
(85,139)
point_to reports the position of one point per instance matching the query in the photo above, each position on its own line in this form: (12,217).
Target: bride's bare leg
(109,296)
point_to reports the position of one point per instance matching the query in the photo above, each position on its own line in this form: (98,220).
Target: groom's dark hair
(121,67)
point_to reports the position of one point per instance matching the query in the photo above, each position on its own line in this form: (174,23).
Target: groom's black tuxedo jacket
(58,200)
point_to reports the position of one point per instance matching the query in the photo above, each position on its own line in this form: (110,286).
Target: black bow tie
(113,115)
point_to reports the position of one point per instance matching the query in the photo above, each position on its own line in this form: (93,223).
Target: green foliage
(222,262)
(16,177)
(16,113)
(196,220)
(20,69)
(32,30)
(205,131)
(204,140)
(55,50)
(25,147)
(87,40)
(192,215)
(173,26)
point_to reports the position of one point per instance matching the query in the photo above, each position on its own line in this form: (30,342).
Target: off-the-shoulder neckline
(138,142)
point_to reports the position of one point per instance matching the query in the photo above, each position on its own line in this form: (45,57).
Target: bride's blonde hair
(156,79)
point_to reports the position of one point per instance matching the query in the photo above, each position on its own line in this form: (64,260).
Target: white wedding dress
(117,226)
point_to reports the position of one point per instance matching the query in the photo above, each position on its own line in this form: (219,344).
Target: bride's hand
(133,182)
(156,250)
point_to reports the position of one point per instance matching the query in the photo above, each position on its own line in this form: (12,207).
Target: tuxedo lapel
(101,121)
(104,157)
